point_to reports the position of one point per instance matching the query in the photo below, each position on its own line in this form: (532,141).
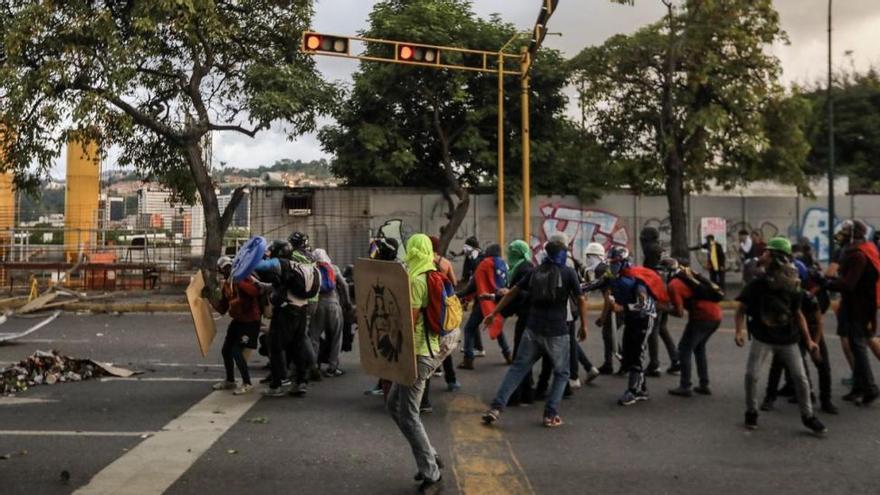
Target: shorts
(245,333)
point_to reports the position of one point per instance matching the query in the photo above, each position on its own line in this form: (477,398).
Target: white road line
(159,379)
(184,365)
(157,462)
(20,401)
(71,433)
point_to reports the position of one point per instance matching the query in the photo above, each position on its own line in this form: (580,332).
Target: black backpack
(702,287)
(301,280)
(546,285)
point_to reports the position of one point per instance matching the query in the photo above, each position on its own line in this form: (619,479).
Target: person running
(404,400)
(473,255)
(770,307)
(858,286)
(328,316)
(242,301)
(383,249)
(699,296)
(519,258)
(653,253)
(550,287)
(489,277)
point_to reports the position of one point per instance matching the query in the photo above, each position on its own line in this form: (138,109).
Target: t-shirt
(419,295)
(753,296)
(698,309)
(550,319)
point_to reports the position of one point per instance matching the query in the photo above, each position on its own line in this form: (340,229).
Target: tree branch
(229,212)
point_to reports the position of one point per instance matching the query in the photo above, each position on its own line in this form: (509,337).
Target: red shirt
(699,310)
(243,300)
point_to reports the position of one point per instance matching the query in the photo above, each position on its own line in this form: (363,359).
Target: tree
(154,79)
(422,127)
(856,129)
(694,99)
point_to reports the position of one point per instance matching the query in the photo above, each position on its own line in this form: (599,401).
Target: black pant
(660,331)
(609,340)
(238,336)
(288,335)
(717,277)
(635,341)
(448,375)
(863,378)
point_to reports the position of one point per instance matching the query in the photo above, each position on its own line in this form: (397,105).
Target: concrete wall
(344,219)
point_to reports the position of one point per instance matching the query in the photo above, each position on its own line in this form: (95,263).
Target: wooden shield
(201,313)
(385,324)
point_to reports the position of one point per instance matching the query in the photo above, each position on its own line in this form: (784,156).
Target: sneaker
(576,383)
(642,395)
(767,405)
(491,416)
(870,397)
(224,386)
(508,358)
(479,353)
(752,420)
(814,425)
(681,392)
(333,373)
(273,392)
(245,388)
(426,409)
(376,392)
(300,389)
(286,382)
(593,374)
(453,387)
(653,373)
(674,368)
(829,408)
(552,421)
(703,390)
(438,372)
(852,397)
(606,369)
(627,399)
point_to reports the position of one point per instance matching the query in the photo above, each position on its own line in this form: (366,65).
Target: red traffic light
(314,42)
(422,54)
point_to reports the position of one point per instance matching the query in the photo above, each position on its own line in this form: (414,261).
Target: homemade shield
(385,324)
(248,257)
(201,313)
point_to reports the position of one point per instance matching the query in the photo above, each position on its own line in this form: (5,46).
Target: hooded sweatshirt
(419,261)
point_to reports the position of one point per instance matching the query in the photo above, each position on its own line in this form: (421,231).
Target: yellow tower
(81,197)
(7,200)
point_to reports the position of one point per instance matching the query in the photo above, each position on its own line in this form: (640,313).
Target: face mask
(592,262)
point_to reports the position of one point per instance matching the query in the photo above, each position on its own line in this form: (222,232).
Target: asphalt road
(337,440)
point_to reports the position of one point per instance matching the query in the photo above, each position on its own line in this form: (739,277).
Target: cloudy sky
(583,23)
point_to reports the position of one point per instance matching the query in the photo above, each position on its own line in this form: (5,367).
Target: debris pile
(49,368)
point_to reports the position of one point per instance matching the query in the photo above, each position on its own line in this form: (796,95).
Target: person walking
(770,307)
(490,276)
(328,319)
(519,258)
(653,253)
(403,400)
(444,266)
(550,287)
(699,296)
(242,301)
(716,261)
(858,287)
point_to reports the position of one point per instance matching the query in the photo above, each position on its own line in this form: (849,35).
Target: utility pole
(831,216)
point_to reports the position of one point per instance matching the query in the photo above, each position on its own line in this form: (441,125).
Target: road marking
(52,341)
(71,433)
(159,379)
(157,462)
(21,401)
(185,365)
(483,460)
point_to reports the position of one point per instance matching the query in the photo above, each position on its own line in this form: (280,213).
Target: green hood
(419,255)
(518,252)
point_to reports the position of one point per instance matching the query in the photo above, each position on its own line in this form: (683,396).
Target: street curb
(145,307)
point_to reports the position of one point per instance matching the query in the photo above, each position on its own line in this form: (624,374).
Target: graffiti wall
(814,228)
(582,226)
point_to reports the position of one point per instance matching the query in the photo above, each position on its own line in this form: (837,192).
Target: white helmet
(223,262)
(595,249)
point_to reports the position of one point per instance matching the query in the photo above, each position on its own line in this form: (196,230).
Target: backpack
(783,285)
(301,280)
(328,278)
(545,285)
(702,287)
(443,315)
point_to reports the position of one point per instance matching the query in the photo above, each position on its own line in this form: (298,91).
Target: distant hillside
(319,169)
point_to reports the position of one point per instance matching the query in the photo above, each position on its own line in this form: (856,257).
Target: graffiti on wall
(814,228)
(582,226)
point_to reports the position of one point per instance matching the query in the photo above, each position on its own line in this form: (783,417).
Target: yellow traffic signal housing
(324,43)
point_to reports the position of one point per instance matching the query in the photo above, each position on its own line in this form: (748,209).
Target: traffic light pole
(500,180)
(526,143)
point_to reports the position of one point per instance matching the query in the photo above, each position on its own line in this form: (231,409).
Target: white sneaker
(592,374)
(576,383)
(224,386)
(245,388)
(479,353)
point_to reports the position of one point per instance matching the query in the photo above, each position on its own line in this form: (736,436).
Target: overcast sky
(583,23)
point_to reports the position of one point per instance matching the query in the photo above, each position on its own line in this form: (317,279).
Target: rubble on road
(49,368)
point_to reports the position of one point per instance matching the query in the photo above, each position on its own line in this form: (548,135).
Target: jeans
(863,378)
(403,405)
(635,342)
(233,350)
(576,357)
(660,331)
(791,357)
(328,320)
(288,335)
(524,392)
(472,333)
(693,345)
(823,368)
(532,346)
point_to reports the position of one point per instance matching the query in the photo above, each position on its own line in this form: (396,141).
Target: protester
(550,286)
(596,274)
(519,258)
(489,277)
(241,301)
(472,257)
(857,284)
(329,315)
(445,267)
(716,261)
(404,400)
(383,249)
(699,296)
(653,253)
(302,253)
(771,307)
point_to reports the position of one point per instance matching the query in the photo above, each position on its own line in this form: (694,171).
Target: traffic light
(315,42)
(415,53)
